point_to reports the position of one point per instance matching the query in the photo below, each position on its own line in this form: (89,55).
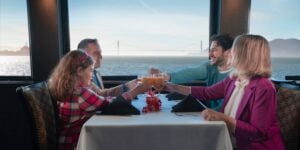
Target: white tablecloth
(154,131)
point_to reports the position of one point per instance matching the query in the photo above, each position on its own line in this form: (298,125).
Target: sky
(155,26)
(13,24)
(158,27)
(275,18)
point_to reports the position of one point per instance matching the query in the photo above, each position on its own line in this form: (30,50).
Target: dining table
(157,130)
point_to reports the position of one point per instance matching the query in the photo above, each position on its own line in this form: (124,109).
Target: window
(14,39)
(137,34)
(279,22)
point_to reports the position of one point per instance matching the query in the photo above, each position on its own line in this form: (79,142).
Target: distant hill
(23,51)
(279,48)
(285,48)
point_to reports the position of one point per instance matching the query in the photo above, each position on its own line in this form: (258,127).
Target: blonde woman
(76,101)
(249,107)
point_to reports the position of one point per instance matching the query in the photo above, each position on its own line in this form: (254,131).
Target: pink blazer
(257,126)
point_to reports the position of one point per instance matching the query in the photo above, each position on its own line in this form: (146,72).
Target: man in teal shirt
(213,71)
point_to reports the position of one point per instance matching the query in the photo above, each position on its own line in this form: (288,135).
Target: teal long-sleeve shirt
(207,72)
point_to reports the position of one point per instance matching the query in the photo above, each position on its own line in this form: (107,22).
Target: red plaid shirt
(74,111)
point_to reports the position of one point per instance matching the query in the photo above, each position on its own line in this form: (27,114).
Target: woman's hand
(170,87)
(211,115)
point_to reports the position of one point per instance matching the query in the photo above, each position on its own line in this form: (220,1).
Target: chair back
(288,112)
(43,115)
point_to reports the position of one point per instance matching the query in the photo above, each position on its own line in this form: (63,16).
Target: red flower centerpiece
(153,103)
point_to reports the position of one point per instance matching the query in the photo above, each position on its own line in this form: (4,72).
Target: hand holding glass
(155,80)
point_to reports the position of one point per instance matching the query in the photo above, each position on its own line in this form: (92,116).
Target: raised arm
(189,74)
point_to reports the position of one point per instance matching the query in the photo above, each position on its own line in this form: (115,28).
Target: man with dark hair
(212,71)
(92,47)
